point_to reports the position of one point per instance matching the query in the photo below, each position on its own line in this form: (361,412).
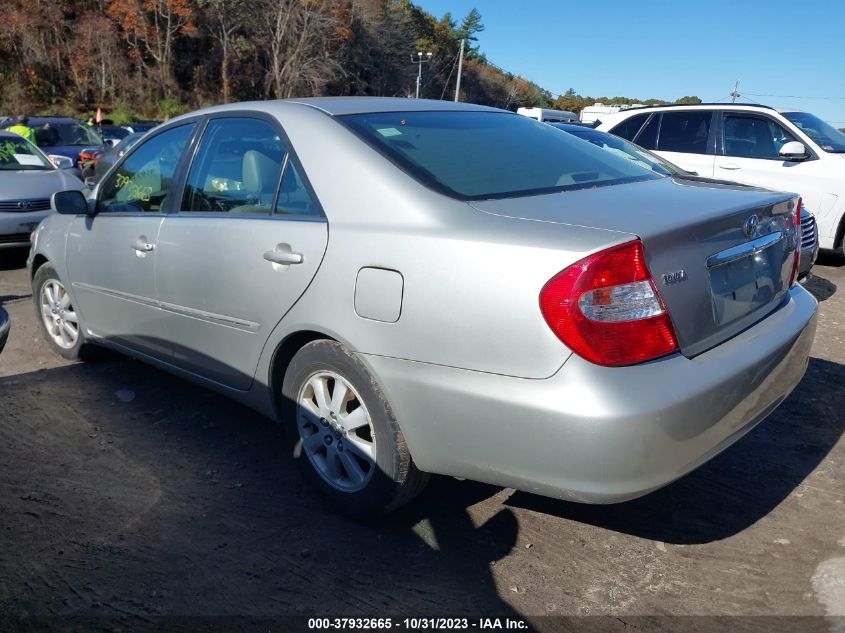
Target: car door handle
(284,257)
(730,166)
(142,246)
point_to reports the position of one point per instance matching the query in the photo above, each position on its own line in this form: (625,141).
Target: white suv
(752,144)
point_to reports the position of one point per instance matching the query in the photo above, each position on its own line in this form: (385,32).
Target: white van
(545,115)
(785,150)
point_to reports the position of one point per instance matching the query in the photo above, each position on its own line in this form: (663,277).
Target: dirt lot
(127,494)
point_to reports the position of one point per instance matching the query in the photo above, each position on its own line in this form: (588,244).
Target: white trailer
(549,116)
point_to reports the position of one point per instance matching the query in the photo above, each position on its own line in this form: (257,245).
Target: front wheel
(346,439)
(57,315)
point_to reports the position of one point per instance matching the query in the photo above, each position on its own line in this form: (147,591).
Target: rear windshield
(482,155)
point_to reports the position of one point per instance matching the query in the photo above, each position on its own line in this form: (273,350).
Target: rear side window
(684,131)
(482,155)
(629,127)
(236,169)
(295,197)
(143,180)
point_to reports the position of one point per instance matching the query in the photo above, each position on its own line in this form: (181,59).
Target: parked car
(650,160)
(64,137)
(5,324)
(112,134)
(140,126)
(497,301)
(104,159)
(27,180)
(751,144)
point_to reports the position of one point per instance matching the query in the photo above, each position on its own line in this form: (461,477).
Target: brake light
(607,309)
(796,228)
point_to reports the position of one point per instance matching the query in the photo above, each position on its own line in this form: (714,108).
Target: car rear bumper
(598,434)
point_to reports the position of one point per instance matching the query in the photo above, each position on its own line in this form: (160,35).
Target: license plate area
(746,277)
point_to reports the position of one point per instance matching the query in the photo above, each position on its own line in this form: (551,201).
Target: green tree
(470,26)
(692,100)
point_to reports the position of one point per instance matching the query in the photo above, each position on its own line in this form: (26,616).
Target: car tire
(57,316)
(344,435)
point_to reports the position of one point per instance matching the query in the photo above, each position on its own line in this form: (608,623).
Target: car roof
(338,106)
(709,106)
(5,134)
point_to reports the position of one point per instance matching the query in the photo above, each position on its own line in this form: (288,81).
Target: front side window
(754,137)
(684,131)
(143,180)
(236,169)
(484,155)
(828,137)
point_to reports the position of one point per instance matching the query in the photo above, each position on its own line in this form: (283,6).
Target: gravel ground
(128,495)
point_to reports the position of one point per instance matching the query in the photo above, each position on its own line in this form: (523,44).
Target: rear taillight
(796,230)
(606,308)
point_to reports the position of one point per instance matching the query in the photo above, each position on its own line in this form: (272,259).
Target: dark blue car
(64,136)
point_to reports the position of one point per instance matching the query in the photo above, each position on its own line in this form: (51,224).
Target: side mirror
(793,150)
(4,328)
(69,203)
(110,142)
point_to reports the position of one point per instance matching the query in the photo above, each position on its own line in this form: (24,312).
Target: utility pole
(460,66)
(735,94)
(420,60)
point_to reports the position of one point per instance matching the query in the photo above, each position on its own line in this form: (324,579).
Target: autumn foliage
(158,57)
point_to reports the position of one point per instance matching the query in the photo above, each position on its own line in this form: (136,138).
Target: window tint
(754,137)
(142,181)
(684,131)
(294,197)
(481,155)
(629,127)
(236,169)
(647,137)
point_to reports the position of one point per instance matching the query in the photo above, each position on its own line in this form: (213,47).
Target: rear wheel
(57,316)
(346,440)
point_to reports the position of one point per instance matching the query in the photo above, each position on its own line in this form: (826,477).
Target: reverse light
(607,309)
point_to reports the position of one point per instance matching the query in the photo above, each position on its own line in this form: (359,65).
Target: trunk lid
(721,254)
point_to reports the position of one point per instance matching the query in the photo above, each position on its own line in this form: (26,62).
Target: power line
(755,94)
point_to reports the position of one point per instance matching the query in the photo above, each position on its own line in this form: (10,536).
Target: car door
(111,256)
(749,146)
(240,250)
(682,137)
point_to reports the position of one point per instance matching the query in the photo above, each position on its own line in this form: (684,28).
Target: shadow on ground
(129,493)
(13,258)
(740,486)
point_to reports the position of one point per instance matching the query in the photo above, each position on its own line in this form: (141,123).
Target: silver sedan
(27,180)
(420,287)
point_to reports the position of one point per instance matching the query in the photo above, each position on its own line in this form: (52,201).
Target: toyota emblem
(749,227)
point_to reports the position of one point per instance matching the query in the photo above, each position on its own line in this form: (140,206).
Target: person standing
(22,129)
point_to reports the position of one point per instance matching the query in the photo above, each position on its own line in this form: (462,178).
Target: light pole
(420,60)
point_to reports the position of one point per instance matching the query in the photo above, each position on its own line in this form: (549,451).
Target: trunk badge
(749,227)
(675,277)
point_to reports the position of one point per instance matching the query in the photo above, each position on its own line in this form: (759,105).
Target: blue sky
(667,49)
